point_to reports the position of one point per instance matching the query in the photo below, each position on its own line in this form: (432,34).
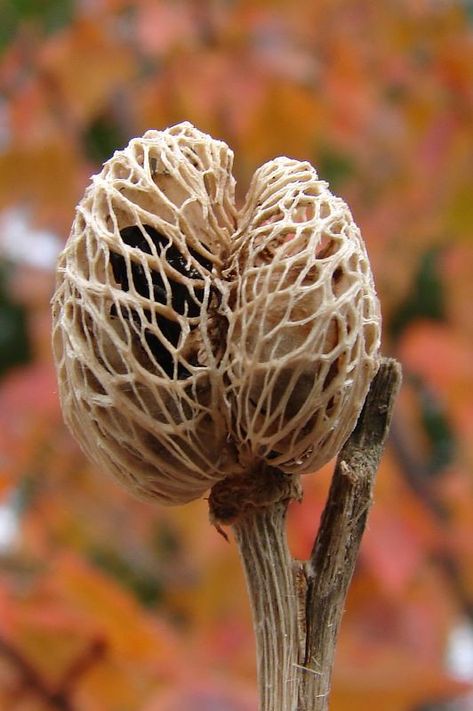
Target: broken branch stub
(194,342)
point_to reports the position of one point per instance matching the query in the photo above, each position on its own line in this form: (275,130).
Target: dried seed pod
(304,321)
(137,372)
(188,347)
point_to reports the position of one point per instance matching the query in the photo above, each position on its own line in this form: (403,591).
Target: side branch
(332,562)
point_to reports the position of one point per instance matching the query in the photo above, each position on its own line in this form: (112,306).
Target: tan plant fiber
(303,318)
(193,342)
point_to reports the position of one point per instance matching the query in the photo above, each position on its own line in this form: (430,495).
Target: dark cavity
(151,286)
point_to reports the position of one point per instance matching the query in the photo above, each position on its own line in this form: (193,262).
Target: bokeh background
(107,604)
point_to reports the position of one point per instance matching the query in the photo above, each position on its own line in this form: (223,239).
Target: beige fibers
(194,341)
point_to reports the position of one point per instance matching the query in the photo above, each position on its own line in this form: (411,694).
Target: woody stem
(261,538)
(297,606)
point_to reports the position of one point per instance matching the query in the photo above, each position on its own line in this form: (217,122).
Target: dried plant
(200,347)
(193,342)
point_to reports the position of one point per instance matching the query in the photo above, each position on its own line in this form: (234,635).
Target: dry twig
(297,606)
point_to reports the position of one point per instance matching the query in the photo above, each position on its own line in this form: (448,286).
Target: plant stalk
(261,538)
(297,606)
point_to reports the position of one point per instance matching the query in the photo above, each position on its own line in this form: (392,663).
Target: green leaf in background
(48,15)
(14,342)
(425,299)
(102,138)
(334,166)
(144,584)
(438,430)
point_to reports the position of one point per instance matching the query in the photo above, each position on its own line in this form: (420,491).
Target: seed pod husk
(193,342)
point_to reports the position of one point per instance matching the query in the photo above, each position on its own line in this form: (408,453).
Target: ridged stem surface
(297,606)
(261,537)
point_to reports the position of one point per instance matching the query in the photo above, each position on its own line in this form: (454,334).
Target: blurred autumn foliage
(107,604)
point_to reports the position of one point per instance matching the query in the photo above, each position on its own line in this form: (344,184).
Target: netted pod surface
(133,334)
(304,321)
(192,342)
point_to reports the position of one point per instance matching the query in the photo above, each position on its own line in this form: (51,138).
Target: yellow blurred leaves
(129,631)
(96,634)
(83,66)
(386,87)
(42,176)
